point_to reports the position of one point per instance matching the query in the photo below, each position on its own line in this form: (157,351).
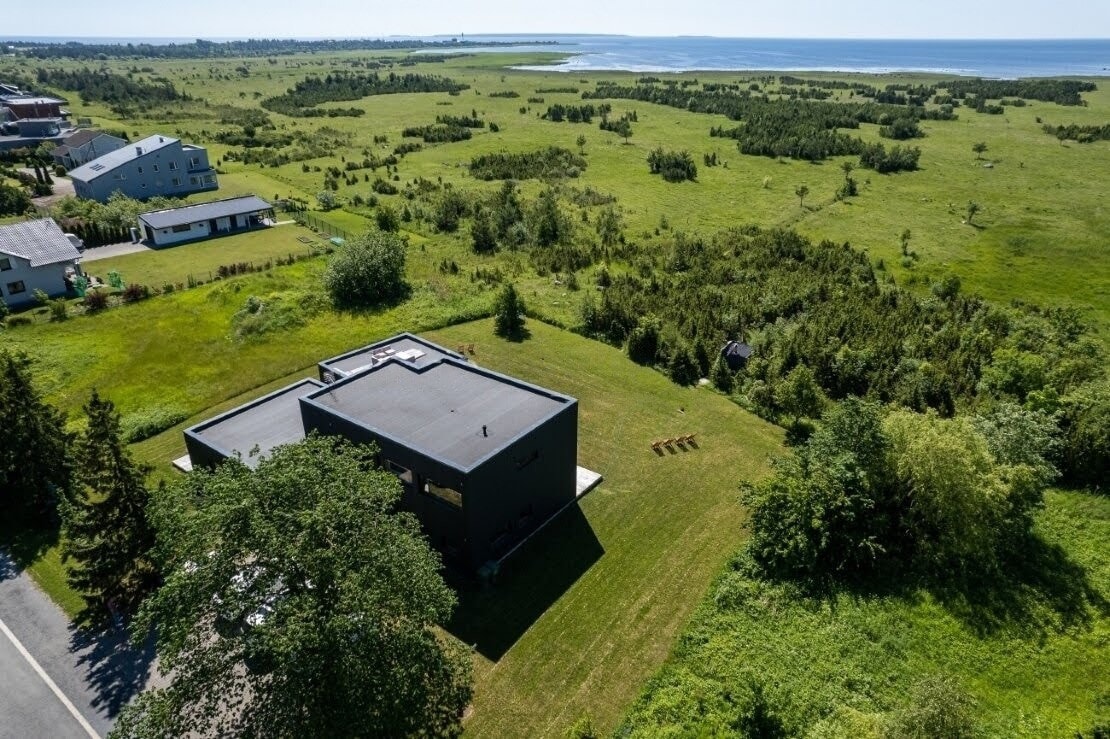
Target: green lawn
(592,609)
(589,611)
(201,259)
(1041,230)
(1032,649)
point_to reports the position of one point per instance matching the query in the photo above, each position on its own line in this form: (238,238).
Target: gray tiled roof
(105,164)
(82,136)
(204,211)
(40,242)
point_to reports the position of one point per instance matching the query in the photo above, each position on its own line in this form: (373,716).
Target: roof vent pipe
(484,433)
(138,151)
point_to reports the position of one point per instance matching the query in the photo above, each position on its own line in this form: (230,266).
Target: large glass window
(5,264)
(14,288)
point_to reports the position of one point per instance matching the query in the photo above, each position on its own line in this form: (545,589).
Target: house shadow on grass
(115,669)
(491,618)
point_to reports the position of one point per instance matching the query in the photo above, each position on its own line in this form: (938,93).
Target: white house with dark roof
(36,255)
(204,220)
(156,165)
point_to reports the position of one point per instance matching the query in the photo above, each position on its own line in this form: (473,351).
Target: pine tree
(105,523)
(509,317)
(35,468)
(482,235)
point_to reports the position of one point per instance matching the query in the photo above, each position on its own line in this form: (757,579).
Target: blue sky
(742,18)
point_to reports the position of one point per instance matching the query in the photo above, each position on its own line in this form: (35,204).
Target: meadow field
(615,613)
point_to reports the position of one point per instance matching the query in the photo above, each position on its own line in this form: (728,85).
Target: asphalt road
(55,680)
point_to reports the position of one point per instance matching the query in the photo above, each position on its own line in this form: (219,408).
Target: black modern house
(484,459)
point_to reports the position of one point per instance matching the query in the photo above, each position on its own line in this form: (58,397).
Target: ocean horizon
(996,58)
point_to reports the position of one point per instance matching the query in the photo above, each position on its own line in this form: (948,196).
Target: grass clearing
(1033,652)
(589,610)
(174,264)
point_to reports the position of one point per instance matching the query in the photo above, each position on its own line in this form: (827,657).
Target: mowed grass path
(589,610)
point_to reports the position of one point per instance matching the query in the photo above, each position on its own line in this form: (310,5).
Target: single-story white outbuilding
(205,220)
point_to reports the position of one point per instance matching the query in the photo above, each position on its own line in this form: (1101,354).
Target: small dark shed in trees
(736,354)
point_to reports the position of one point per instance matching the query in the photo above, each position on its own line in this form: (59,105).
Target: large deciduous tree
(35,468)
(298,602)
(105,525)
(367,270)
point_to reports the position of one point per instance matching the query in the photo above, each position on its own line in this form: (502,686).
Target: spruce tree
(105,522)
(509,316)
(35,467)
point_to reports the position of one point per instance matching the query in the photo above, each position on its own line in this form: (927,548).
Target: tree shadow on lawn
(24,544)
(1035,591)
(492,618)
(113,668)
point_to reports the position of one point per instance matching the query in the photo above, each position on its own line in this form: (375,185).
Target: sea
(1002,59)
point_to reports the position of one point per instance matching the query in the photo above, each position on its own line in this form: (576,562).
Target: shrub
(938,709)
(95,300)
(551,162)
(149,422)
(59,310)
(14,321)
(451,207)
(133,293)
(643,342)
(368,270)
(682,367)
(674,166)
(386,218)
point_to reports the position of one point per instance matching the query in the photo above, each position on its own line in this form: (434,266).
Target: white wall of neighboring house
(188,232)
(49,278)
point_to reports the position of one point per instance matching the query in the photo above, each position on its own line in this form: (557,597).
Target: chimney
(161,140)
(138,151)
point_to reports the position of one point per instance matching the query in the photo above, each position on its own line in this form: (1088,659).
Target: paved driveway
(57,680)
(93,253)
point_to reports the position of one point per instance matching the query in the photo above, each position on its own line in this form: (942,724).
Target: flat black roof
(402,344)
(267,422)
(440,409)
(171,217)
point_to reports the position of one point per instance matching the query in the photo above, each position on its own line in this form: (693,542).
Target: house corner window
(447,495)
(14,288)
(5,264)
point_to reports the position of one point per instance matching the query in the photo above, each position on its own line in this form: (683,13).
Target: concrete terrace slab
(585,480)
